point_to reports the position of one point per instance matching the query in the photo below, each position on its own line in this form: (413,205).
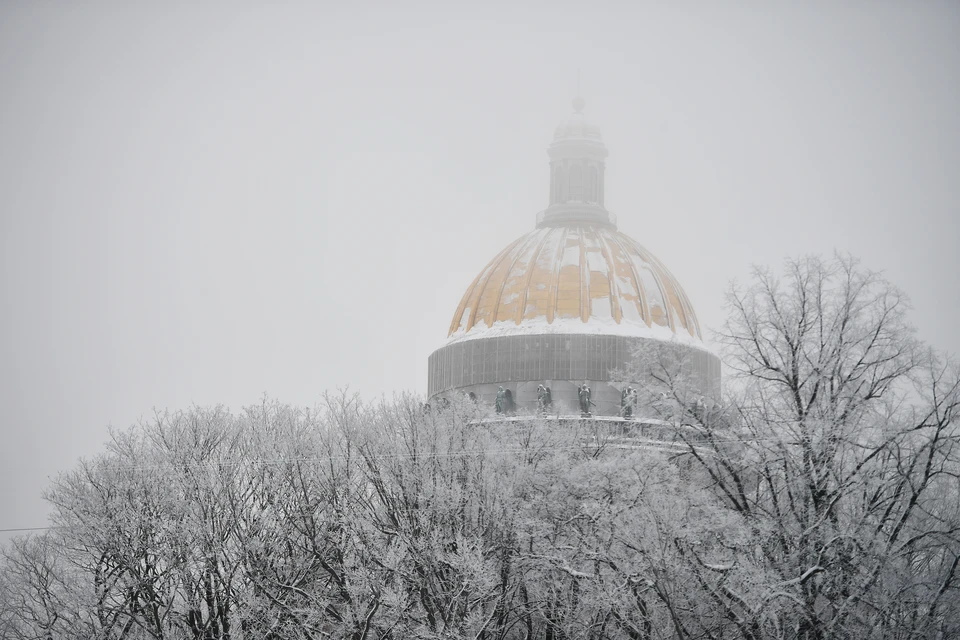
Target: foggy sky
(203,204)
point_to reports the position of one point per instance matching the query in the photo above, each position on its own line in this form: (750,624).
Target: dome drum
(521,362)
(606,396)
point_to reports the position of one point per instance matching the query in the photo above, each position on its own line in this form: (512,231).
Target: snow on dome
(575,278)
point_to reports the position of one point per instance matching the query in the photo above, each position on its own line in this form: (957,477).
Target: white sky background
(201,204)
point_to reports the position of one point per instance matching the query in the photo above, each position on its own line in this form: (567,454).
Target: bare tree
(837,444)
(39,598)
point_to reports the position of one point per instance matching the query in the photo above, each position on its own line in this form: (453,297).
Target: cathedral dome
(576,278)
(570,303)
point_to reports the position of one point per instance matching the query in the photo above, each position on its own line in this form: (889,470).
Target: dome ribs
(668,285)
(561,278)
(554,297)
(541,289)
(531,270)
(614,295)
(509,279)
(599,290)
(638,283)
(584,276)
(695,324)
(678,298)
(657,297)
(464,307)
(491,269)
(570,276)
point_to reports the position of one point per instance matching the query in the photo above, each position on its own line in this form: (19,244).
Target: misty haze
(541,321)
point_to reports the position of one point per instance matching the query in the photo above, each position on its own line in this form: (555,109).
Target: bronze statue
(584,393)
(543,399)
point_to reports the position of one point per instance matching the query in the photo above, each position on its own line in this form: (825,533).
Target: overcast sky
(202,204)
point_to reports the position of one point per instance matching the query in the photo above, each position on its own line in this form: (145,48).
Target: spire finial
(578,103)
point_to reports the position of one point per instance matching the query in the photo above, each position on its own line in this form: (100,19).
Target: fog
(204,204)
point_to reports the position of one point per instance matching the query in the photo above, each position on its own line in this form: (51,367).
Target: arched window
(575,191)
(557,195)
(592,185)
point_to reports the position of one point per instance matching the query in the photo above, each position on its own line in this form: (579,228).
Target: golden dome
(576,278)
(572,301)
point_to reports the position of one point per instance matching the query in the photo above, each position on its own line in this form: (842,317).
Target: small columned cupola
(577,157)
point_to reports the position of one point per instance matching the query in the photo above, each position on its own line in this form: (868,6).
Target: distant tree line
(818,498)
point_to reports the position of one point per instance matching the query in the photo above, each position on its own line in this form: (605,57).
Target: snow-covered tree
(836,443)
(818,498)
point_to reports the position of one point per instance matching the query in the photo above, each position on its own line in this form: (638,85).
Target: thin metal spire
(578,103)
